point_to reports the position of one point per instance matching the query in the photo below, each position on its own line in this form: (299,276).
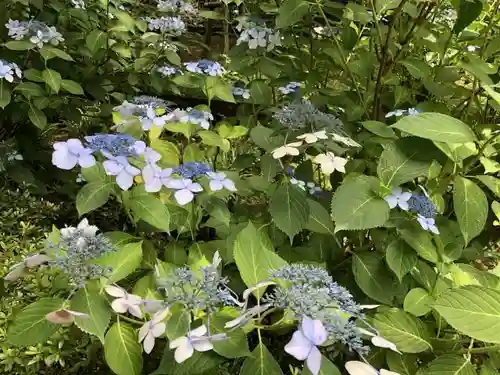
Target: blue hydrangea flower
(204,66)
(240,91)
(198,117)
(422,205)
(113,144)
(289,88)
(403,112)
(168,71)
(192,169)
(170,25)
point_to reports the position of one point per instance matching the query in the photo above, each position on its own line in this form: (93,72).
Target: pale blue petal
(124,180)
(314,361)
(314,331)
(183,196)
(299,346)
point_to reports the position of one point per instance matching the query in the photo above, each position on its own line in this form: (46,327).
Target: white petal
(299,346)
(119,306)
(359,368)
(183,352)
(64,160)
(180,341)
(292,151)
(176,184)
(183,196)
(216,185)
(198,332)
(279,153)
(153,186)
(314,361)
(158,329)
(195,187)
(383,343)
(202,344)
(74,146)
(112,167)
(135,311)
(294,144)
(115,291)
(161,315)
(391,200)
(124,180)
(397,191)
(143,331)
(86,161)
(405,196)
(229,185)
(149,343)
(16,272)
(36,260)
(403,205)
(314,330)
(249,291)
(383,371)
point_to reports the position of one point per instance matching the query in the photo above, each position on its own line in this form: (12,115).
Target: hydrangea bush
(319,192)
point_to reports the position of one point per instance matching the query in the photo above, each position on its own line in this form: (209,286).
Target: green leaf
(319,219)
(122,351)
(372,277)
(237,344)
(457,152)
(289,209)
(260,92)
(436,127)
(449,364)
(216,87)
(468,11)
(418,302)
(211,138)
(49,52)
(93,195)
(471,207)
(30,327)
(291,12)
(491,183)
(19,45)
(420,241)
(37,117)
(122,262)
(4,94)
(403,364)
(52,79)
(403,161)
(260,362)
(379,128)
(400,258)
(355,205)
(72,87)
(29,89)
(472,310)
(178,324)
(150,209)
(33,75)
(254,256)
(169,152)
(88,300)
(409,334)
(96,40)
(416,67)
(327,368)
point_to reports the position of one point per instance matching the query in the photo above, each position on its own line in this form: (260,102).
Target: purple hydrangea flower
(68,154)
(219,181)
(185,190)
(192,169)
(123,170)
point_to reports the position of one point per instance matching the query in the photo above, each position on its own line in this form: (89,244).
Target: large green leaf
(420,241)
(379,128)
(30,327)
(4,94)
(418,302)
(408,333)
(471,207)
(49,52)
(404,160)
(96,40)
(29,89)
(260,362)
(93,195)
(327,368)
(449,364)
(37,117)
(123,262)
(289,209)
(403,364)
(319,218)
(254,256)
(491,183)
(261,92)
(400,258)
(436,127)
(150,209)
(237,344)
(122,350)
(472,310)
(88,300)
(372,276)
(178,324)
(72,87)
(19,45)
(52,79)
(355,205)
(468,11)
(290,12)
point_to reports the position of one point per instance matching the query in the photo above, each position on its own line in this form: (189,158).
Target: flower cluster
(168,71)
(35,31)
(309,186)
(240,90)
(310,291)
(78,4)
(420,204)
(305,115)
(77,250)
(403,112)
(191,115)
(8,70)
(289,88)
(256,34)
(208,67)
(147,109)
(167,25)
(115,144)
(176,6)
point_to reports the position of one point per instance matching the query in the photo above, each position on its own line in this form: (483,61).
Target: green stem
(481,151)
(484,349)
(134,321)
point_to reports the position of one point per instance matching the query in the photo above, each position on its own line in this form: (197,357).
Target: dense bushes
(245,197)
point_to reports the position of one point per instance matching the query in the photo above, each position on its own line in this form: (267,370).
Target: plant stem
(134,321)
(484,349)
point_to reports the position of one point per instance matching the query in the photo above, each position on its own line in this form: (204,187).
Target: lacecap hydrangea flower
(256,34)
(403,112)
(289,88)
(168,71)
(8,70)
(204,66)
(167,25)
(35,31)
(191,115)
(176,6)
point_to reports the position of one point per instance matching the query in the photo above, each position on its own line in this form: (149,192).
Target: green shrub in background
(316,193)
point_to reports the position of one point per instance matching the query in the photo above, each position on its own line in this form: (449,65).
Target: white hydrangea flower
(288,149)
(68,154)
(155,177)
(330,163)
(428,224)
(313,137)
(299,183)
(120,167)
(153,329)
(361,368)
(219,181)
(185,190)
(398,198)
(8,70)
(197,339)
(18,270)
(124,301)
